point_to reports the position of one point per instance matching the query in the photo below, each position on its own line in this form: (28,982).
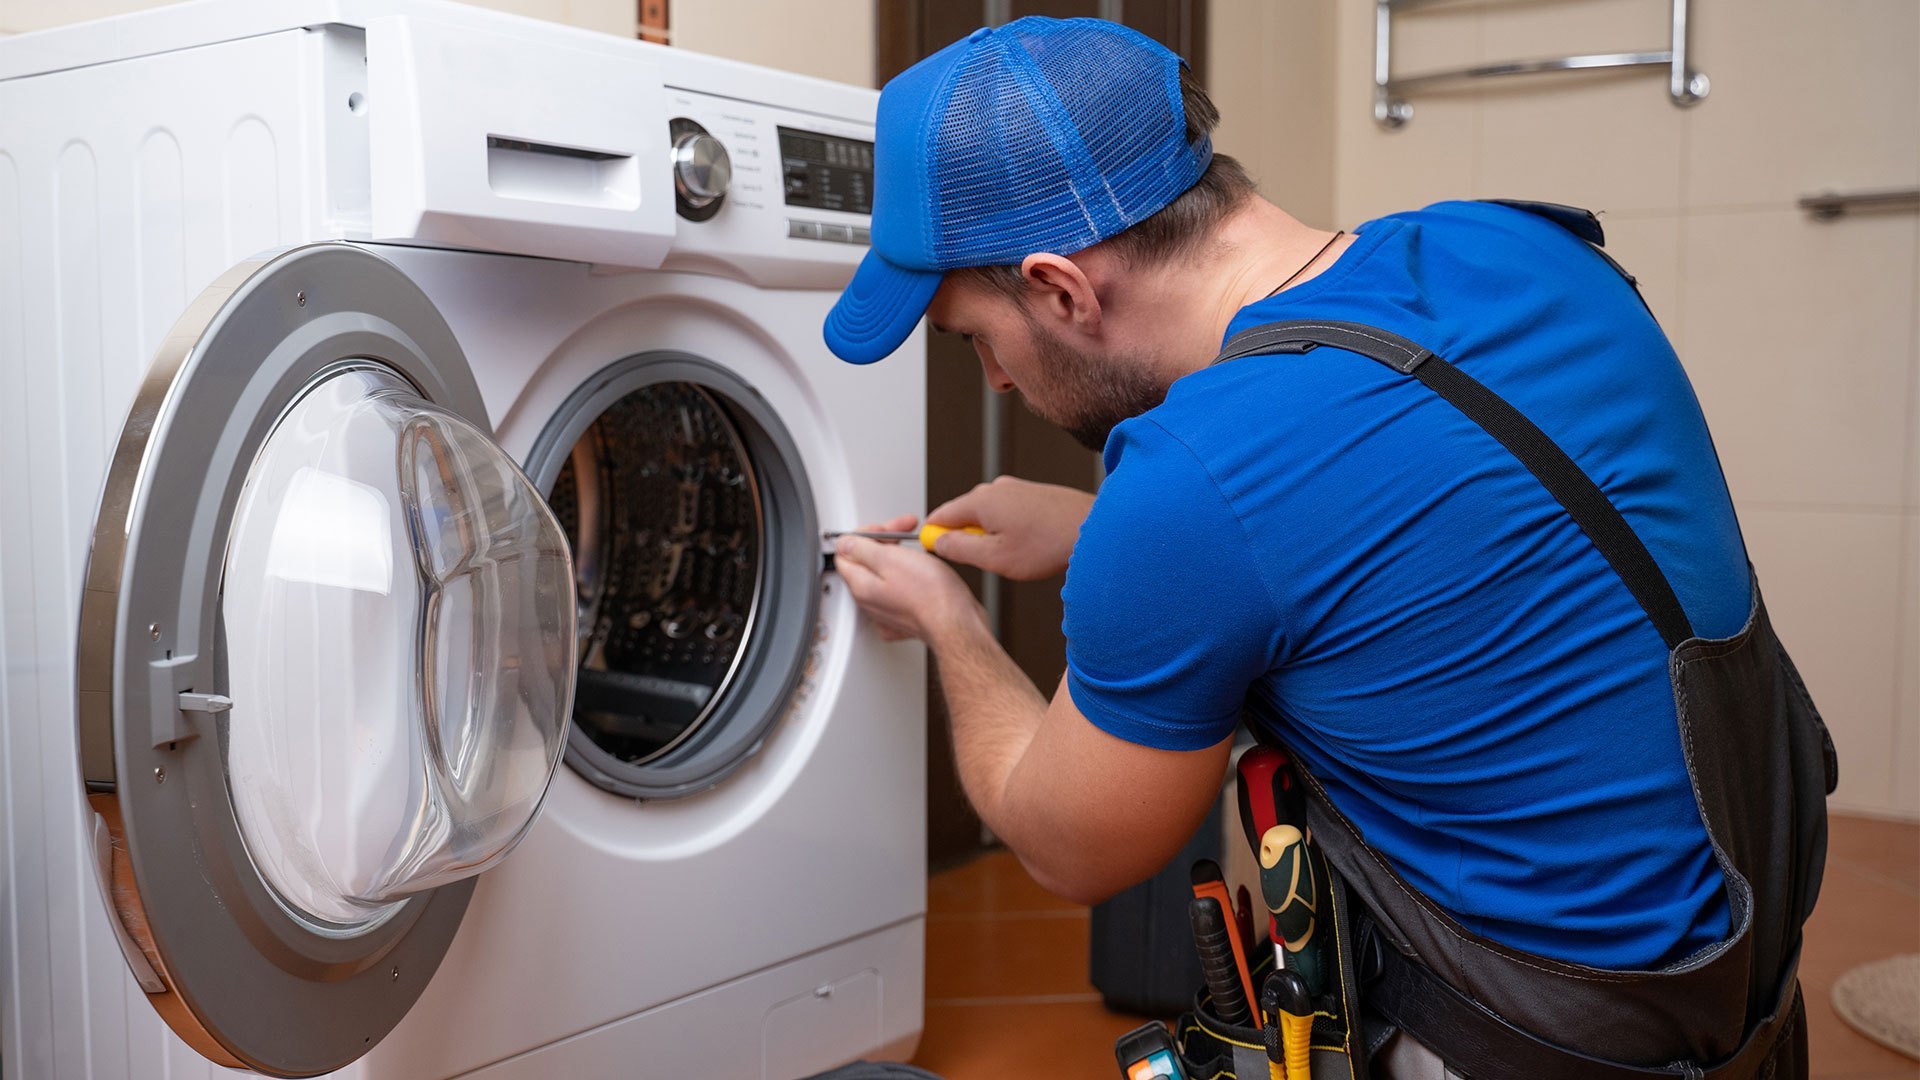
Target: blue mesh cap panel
(1000,189)
(1056,134)
(902,195)
(1125,115)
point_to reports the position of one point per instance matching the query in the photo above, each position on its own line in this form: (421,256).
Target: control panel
(826,172)
(783,196)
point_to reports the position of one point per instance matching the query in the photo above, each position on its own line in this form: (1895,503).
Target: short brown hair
(1176,229)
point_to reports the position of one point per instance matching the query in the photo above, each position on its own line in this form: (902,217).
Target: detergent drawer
(543,143)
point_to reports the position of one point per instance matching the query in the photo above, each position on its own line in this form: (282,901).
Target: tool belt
(1761,764)
(1212,1049)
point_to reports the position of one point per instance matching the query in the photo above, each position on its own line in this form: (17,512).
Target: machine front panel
(815,837)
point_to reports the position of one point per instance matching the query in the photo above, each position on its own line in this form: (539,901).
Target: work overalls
(1761,765)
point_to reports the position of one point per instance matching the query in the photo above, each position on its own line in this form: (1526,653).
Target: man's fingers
(859,551)
(903,523)
(860,579)
(873,556)
(954,512)
(969,548)
(866,587)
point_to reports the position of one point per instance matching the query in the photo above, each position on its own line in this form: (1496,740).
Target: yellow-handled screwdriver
(926,534)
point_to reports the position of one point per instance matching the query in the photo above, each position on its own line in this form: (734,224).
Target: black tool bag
(1141,943)
(1761,764)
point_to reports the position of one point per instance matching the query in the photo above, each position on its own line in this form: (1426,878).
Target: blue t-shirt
(1435,637)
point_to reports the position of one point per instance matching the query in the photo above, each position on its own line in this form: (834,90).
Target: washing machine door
(325,660)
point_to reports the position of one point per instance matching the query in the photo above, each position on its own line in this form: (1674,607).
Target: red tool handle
(1269,794)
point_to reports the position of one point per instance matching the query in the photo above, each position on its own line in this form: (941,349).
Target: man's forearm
(994,708)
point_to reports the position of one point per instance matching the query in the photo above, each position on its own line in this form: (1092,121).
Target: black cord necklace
(1303,266)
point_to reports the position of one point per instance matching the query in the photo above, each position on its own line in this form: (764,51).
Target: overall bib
(1761,764)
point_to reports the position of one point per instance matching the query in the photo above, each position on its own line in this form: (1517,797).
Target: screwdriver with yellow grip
(926,534)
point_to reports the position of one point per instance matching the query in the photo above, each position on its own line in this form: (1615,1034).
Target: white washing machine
(415,438)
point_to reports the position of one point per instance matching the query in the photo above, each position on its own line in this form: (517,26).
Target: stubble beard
(1088,396)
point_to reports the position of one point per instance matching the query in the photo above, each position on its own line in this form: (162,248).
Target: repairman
(1429,503)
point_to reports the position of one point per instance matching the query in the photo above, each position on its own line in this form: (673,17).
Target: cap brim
(878,309)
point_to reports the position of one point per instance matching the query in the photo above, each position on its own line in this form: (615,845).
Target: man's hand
(1030,527)
(905,591)
(1040,775)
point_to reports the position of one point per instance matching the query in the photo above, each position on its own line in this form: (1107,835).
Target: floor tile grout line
(1018,999)
(1874,876)
(992,916)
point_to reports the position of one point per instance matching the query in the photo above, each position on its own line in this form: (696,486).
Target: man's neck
(1251,254)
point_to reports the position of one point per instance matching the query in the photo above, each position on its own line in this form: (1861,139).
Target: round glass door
(396,602)
(326,660)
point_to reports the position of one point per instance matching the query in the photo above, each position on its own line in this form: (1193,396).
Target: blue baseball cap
(1040,135)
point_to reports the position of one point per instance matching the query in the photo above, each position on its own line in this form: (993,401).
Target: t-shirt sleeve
(1168,622)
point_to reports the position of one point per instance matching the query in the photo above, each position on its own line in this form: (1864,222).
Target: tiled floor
(1007,990)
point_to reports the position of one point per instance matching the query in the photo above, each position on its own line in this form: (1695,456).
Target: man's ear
(1059,293)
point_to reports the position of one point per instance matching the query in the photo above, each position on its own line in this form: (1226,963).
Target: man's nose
(996,376)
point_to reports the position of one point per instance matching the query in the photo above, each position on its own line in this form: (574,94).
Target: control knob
(701,169)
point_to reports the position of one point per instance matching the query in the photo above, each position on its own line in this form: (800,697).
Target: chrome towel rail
(1390,108)
(1832,204)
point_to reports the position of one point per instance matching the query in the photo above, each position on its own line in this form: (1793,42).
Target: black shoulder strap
(1564,480)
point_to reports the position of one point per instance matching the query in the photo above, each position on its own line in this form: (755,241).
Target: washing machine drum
(662,502)
(697,562)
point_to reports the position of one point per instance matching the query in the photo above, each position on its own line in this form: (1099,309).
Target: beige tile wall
(1802,337)
(608,16)
(1270,71)
(830,39)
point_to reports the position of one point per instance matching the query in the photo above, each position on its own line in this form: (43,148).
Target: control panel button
(823,230)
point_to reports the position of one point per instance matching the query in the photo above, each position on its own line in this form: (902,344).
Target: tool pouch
(1211,1049)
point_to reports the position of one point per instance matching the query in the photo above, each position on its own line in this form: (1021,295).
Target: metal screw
(300,298)
(153,631)
(159,775)
(396,974)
